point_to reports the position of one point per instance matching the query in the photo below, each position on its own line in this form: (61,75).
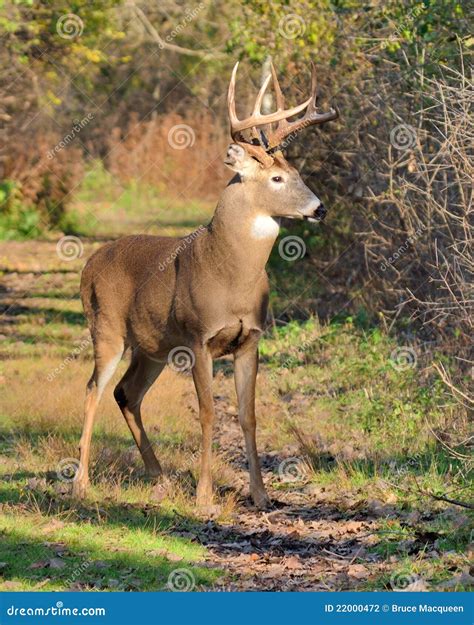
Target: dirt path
(308,541)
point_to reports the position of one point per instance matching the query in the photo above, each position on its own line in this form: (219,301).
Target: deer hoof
(79,489)
(210,511)
(154,471)
(204,500)
(204,497)
(261,500)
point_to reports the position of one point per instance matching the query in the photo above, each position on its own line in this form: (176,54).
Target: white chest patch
(264,227)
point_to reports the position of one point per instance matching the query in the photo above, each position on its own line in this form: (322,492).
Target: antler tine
(256,119)
(281,115)
(279,98)
(314,81)
(258,102)
(310,118)
(231,102)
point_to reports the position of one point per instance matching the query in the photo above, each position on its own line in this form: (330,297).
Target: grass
(363,431)
(375,417)
(371,434)
(55,554)
(105,207)
(108,208)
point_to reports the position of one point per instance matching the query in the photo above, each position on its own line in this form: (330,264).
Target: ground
(353,447)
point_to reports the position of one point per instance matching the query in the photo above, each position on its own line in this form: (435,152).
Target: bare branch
(166,45)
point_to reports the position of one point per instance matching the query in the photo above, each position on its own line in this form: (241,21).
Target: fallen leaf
(42,583)
(173,557)
(59,548)
(54,524)
(40,564)
(352,527)
(463,579)
(358,571)
(293,563)
(10,585)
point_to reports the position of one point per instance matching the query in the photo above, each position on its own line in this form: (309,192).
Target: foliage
(290,31)
(385,64)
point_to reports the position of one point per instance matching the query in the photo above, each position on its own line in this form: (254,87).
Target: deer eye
(277,179)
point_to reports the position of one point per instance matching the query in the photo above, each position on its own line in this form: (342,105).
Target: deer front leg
(202,375)
(245,374)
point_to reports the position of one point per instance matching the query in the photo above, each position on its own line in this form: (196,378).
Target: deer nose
(320,212)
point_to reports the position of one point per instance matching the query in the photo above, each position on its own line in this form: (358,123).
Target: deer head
(256,154)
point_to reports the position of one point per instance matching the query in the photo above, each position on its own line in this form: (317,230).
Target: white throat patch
(264,227)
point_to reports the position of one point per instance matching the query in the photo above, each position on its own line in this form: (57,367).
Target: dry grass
(159,150)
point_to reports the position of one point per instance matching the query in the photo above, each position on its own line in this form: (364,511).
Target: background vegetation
(368,358)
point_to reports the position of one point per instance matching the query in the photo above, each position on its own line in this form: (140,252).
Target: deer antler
(310,118)
(280,116)
(256,119)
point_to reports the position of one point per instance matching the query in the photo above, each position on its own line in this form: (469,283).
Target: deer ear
(240,161)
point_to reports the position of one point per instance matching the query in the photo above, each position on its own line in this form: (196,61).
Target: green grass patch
(51,543)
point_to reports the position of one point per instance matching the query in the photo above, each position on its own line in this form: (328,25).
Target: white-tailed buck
(206,295)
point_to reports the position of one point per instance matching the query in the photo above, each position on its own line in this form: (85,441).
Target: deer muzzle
(314,212)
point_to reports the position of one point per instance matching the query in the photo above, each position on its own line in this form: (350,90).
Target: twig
(163,44)
(420,491)
(444,498)
(452,451)
(444,376)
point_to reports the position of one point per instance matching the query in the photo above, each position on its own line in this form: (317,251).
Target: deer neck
(241,236)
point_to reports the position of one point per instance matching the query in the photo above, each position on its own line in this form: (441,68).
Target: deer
(208,298)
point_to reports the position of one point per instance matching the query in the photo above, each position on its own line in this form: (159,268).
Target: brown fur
(207,293)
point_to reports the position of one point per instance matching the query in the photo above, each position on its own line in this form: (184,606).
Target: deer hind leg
(129,394)
(107,356)
(245,374)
